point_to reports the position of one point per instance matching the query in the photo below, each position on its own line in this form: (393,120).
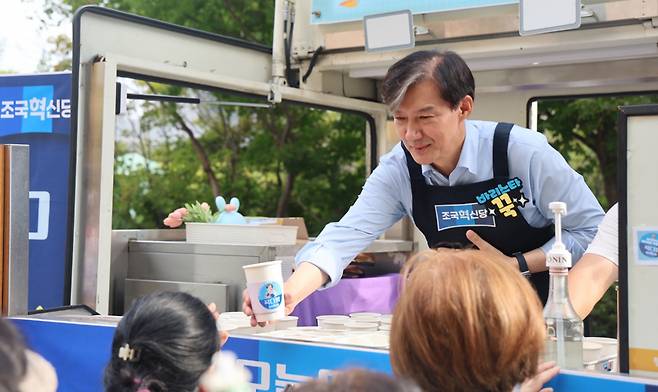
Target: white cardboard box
(213,233)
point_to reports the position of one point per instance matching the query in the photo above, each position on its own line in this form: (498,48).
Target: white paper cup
(265,288)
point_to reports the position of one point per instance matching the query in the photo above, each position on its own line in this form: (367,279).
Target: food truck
(337,57)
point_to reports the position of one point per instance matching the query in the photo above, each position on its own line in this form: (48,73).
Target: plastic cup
(265,288)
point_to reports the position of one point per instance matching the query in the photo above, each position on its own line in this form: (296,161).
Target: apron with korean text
(491,208)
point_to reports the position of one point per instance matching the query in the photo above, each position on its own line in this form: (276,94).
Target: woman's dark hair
(174,337)
(447,69)
(13,362)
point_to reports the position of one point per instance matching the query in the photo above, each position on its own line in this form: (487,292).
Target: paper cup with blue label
(265,287)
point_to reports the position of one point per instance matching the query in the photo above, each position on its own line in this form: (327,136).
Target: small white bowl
(286,322)
(366,319)
(364,314)
(359,326)
(591,351)
(385,327)
(332,317)
(333,323)
(386,319)
(331,320)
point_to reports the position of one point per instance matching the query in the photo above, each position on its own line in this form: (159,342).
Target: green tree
(288,160)
(584,130)
(250,20)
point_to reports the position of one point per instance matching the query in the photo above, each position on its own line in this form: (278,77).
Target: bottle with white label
(564,328)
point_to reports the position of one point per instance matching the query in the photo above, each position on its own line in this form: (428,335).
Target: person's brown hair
(357,380)
(465,323)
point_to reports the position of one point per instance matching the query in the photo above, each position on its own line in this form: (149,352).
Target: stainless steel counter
(149,260)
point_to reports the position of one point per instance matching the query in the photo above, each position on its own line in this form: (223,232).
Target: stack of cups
(363,321)
(385,322)
(265,288)
(332,321)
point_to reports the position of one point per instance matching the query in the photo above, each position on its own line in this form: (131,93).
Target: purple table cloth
(378,294)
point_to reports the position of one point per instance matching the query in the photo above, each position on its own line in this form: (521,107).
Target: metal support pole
(15,228)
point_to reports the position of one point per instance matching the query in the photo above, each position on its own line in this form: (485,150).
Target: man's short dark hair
(447,69)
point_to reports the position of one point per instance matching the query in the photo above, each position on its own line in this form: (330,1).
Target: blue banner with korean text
(36,110)
(79,351)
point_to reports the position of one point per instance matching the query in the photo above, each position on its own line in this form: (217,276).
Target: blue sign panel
(275,364)
(36,110)
(79,352)
(333,11)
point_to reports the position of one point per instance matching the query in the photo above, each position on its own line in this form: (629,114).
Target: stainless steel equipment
(144,261)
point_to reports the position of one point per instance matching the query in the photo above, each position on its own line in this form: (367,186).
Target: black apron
(491,208)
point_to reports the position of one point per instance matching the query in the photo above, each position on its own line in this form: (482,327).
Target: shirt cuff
(324,259)
(547,246)
(569,244)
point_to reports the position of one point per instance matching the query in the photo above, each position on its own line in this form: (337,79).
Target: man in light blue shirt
(461,181)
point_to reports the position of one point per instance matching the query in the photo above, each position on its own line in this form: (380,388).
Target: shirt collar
(468,159)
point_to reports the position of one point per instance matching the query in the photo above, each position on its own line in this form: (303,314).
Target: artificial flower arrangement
(228,226)
(202,213)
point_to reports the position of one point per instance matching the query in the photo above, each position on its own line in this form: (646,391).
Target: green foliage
(287,161)
(250,20)
(584,130)
(603,320)
(254,155)
(200,212)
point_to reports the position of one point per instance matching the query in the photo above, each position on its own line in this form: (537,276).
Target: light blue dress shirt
(386,196)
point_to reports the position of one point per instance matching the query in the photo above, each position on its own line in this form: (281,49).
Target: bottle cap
(558,256)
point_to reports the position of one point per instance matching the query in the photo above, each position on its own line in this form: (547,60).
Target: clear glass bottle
(564,328)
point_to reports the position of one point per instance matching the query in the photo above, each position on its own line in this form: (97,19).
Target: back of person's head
(22,370)
(447,69)
(357,380)
(13,360)
(465,323)
(164,342)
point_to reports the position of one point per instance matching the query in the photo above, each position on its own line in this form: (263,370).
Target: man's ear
(465,107)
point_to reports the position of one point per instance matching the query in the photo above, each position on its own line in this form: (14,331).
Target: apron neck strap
(500,139)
